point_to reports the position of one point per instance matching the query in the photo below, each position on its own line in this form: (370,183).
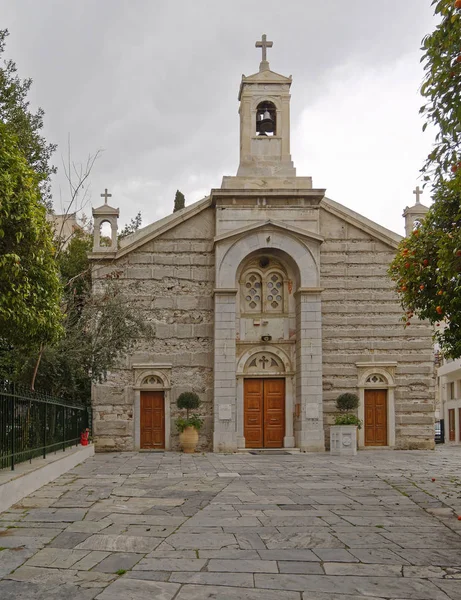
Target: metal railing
(33,424)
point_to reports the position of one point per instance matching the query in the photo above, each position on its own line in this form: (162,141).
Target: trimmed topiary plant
(188,401)
(189,426)
(343,435)
(346,403)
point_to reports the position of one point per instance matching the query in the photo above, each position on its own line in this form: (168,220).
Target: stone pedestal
(343,440)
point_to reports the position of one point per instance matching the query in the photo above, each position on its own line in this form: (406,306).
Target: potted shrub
(189,426)
(343,434)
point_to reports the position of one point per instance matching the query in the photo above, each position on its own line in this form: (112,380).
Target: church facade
(268,300)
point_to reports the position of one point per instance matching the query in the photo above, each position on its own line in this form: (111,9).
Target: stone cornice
(225,291)
(316,290)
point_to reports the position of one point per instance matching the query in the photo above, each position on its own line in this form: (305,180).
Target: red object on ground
(433,479)
(84,438)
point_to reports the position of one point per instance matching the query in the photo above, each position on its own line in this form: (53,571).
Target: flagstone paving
(226,527)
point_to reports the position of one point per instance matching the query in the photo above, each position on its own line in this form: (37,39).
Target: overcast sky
(154,84)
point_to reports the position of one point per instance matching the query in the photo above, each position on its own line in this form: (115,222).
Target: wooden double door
(152,420)
(375,417)
(264,413)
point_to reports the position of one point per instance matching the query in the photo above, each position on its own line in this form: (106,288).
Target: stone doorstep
(29,477)
(267,450)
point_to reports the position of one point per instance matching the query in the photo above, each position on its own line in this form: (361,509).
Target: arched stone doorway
(376,385)
(265,399)
(152,415)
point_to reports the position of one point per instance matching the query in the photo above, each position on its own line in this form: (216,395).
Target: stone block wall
(170,279)
(362,323)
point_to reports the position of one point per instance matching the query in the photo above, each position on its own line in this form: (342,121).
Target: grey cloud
(155,82)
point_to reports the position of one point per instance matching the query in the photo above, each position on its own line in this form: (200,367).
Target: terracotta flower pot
(188,439)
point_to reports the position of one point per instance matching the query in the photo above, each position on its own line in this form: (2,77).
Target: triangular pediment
(105,209)
(270,225)
(267,77)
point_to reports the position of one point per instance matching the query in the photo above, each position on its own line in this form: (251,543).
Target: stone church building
(268,300)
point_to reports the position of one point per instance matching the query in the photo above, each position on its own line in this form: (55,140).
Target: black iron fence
(34,424)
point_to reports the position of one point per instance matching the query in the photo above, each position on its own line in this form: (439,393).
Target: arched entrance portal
(265,400)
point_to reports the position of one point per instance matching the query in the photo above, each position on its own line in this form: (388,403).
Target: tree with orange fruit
(427,267)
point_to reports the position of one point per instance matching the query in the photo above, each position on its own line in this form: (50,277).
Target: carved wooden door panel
(274,413)
(375,418)
(451,425)
(152,420)
(253,413)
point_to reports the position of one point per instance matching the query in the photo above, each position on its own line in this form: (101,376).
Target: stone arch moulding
(257,100)
(149,378)
(378,376)
(267,240)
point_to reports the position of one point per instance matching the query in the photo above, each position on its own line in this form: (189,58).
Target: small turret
(414,215)
(105,214)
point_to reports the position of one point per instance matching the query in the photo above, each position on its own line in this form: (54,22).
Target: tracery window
(152,380)
(274,292)
(252,291)
(375,379)
(263,288)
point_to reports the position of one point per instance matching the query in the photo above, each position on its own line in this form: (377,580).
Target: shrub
(347,402)
(188,401)
(348,419)
(193,421)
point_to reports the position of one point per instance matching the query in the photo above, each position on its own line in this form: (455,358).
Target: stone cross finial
(264,45)
(418,193)
(106,195)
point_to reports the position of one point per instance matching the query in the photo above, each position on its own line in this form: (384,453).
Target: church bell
(265,123)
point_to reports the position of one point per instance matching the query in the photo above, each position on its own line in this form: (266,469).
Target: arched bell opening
(105,234)
(266,119)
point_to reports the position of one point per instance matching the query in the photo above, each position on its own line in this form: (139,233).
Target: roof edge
(385,235)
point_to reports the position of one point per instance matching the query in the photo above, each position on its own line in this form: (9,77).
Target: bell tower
(265,130)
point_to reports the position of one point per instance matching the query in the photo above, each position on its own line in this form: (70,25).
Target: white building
(449,375)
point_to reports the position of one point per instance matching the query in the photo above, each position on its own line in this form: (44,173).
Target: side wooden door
(152,420)
(274,413)
(375,418)
(451,425)
(253,390)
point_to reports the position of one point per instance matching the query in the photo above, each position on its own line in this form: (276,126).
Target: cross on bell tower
(418,193)
(264,44)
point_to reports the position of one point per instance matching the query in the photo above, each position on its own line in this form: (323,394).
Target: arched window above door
(263,287)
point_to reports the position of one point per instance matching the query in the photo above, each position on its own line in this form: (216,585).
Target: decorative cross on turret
(418,193)
(106,195)
(264,45)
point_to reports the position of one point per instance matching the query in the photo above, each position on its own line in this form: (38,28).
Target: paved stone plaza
(240,526)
